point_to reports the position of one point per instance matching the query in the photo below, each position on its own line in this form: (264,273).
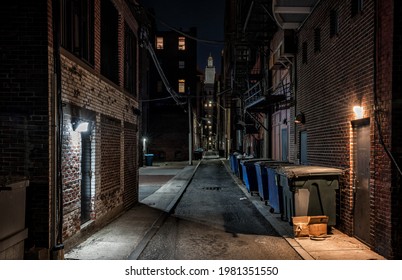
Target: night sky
(206,15)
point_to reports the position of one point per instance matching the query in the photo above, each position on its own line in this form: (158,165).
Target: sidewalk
(161,186)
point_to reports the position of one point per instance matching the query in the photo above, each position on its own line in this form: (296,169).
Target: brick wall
(24,108)
(114,137)
(397,128)
(343,74)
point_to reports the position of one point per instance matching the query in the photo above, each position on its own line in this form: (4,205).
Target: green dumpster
(309,191)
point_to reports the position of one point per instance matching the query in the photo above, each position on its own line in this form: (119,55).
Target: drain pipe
(57,199)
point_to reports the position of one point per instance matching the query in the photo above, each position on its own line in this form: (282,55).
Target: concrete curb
(181,176)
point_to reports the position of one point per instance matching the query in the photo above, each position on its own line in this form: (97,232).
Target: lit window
(159,43)
(181,64)
(182,86)
(182,43)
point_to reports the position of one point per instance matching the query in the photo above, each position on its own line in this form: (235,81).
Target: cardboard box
(310,226)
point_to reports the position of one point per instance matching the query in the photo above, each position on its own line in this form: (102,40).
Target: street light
(144,145)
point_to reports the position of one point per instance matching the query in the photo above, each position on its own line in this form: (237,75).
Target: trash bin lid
(254,160)
(267,163)
(294,171)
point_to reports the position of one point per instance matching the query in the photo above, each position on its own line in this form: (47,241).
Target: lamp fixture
(359,112)
(300,119)
(80,126)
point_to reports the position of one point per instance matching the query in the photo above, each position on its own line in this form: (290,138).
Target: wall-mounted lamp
(80,126)
(300,119)
(359,112)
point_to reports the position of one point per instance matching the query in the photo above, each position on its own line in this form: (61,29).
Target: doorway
(361,184)
(86,175)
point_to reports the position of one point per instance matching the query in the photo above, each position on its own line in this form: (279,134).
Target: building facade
(169,124)
(330,98)
(70,75)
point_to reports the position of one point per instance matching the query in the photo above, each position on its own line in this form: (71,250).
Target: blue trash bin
(149,158)
(250,174)
(275,193)
(262,181)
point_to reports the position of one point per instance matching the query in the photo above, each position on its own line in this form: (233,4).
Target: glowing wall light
(359,112)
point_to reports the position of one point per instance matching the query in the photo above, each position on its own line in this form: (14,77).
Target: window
(182,43)
(181,64)
(77,28)
(357,7)
(130,60)
(304,53)
(334,23)
(159,86)
(182,86)
(317,40)
(159,43)
(109,41)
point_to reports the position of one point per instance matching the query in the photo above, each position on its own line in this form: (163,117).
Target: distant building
(168,126)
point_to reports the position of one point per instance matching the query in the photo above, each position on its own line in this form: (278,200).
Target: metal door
(86,177)
(303,147)
(284,144)
(362,183)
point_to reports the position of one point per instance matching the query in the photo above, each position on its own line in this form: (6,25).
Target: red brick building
(64,63)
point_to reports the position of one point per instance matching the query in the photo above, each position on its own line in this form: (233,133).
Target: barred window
(334,23)
(317,40)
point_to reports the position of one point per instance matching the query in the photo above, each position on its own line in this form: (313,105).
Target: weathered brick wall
(108,107)
(71,170)
(130,196)
(23,106)
(397,129)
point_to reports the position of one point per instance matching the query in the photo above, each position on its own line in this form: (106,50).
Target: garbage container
(250,175)
(12,218)
(309,191)
(149,158)
(275,193)
(233,162)
(262,181)
(198,153)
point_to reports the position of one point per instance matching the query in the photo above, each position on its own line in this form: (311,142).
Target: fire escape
(249,36)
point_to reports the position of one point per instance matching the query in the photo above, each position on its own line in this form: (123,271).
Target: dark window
(109,41)
(334,23)
(317,40)
(357,7)
(304,53)
(77,28)
(130,60)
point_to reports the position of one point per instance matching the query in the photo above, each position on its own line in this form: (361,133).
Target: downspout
(57,200)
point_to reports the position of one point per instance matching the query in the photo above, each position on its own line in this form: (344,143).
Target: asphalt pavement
(160,188)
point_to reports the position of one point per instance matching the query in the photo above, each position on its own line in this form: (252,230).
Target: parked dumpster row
(289,189)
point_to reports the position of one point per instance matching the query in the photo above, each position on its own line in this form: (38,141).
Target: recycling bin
(309,191)
(233,162)
(149,158)
(249,174)
(12,218)
(262,181)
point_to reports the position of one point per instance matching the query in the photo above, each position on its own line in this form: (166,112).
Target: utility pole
(190,131)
